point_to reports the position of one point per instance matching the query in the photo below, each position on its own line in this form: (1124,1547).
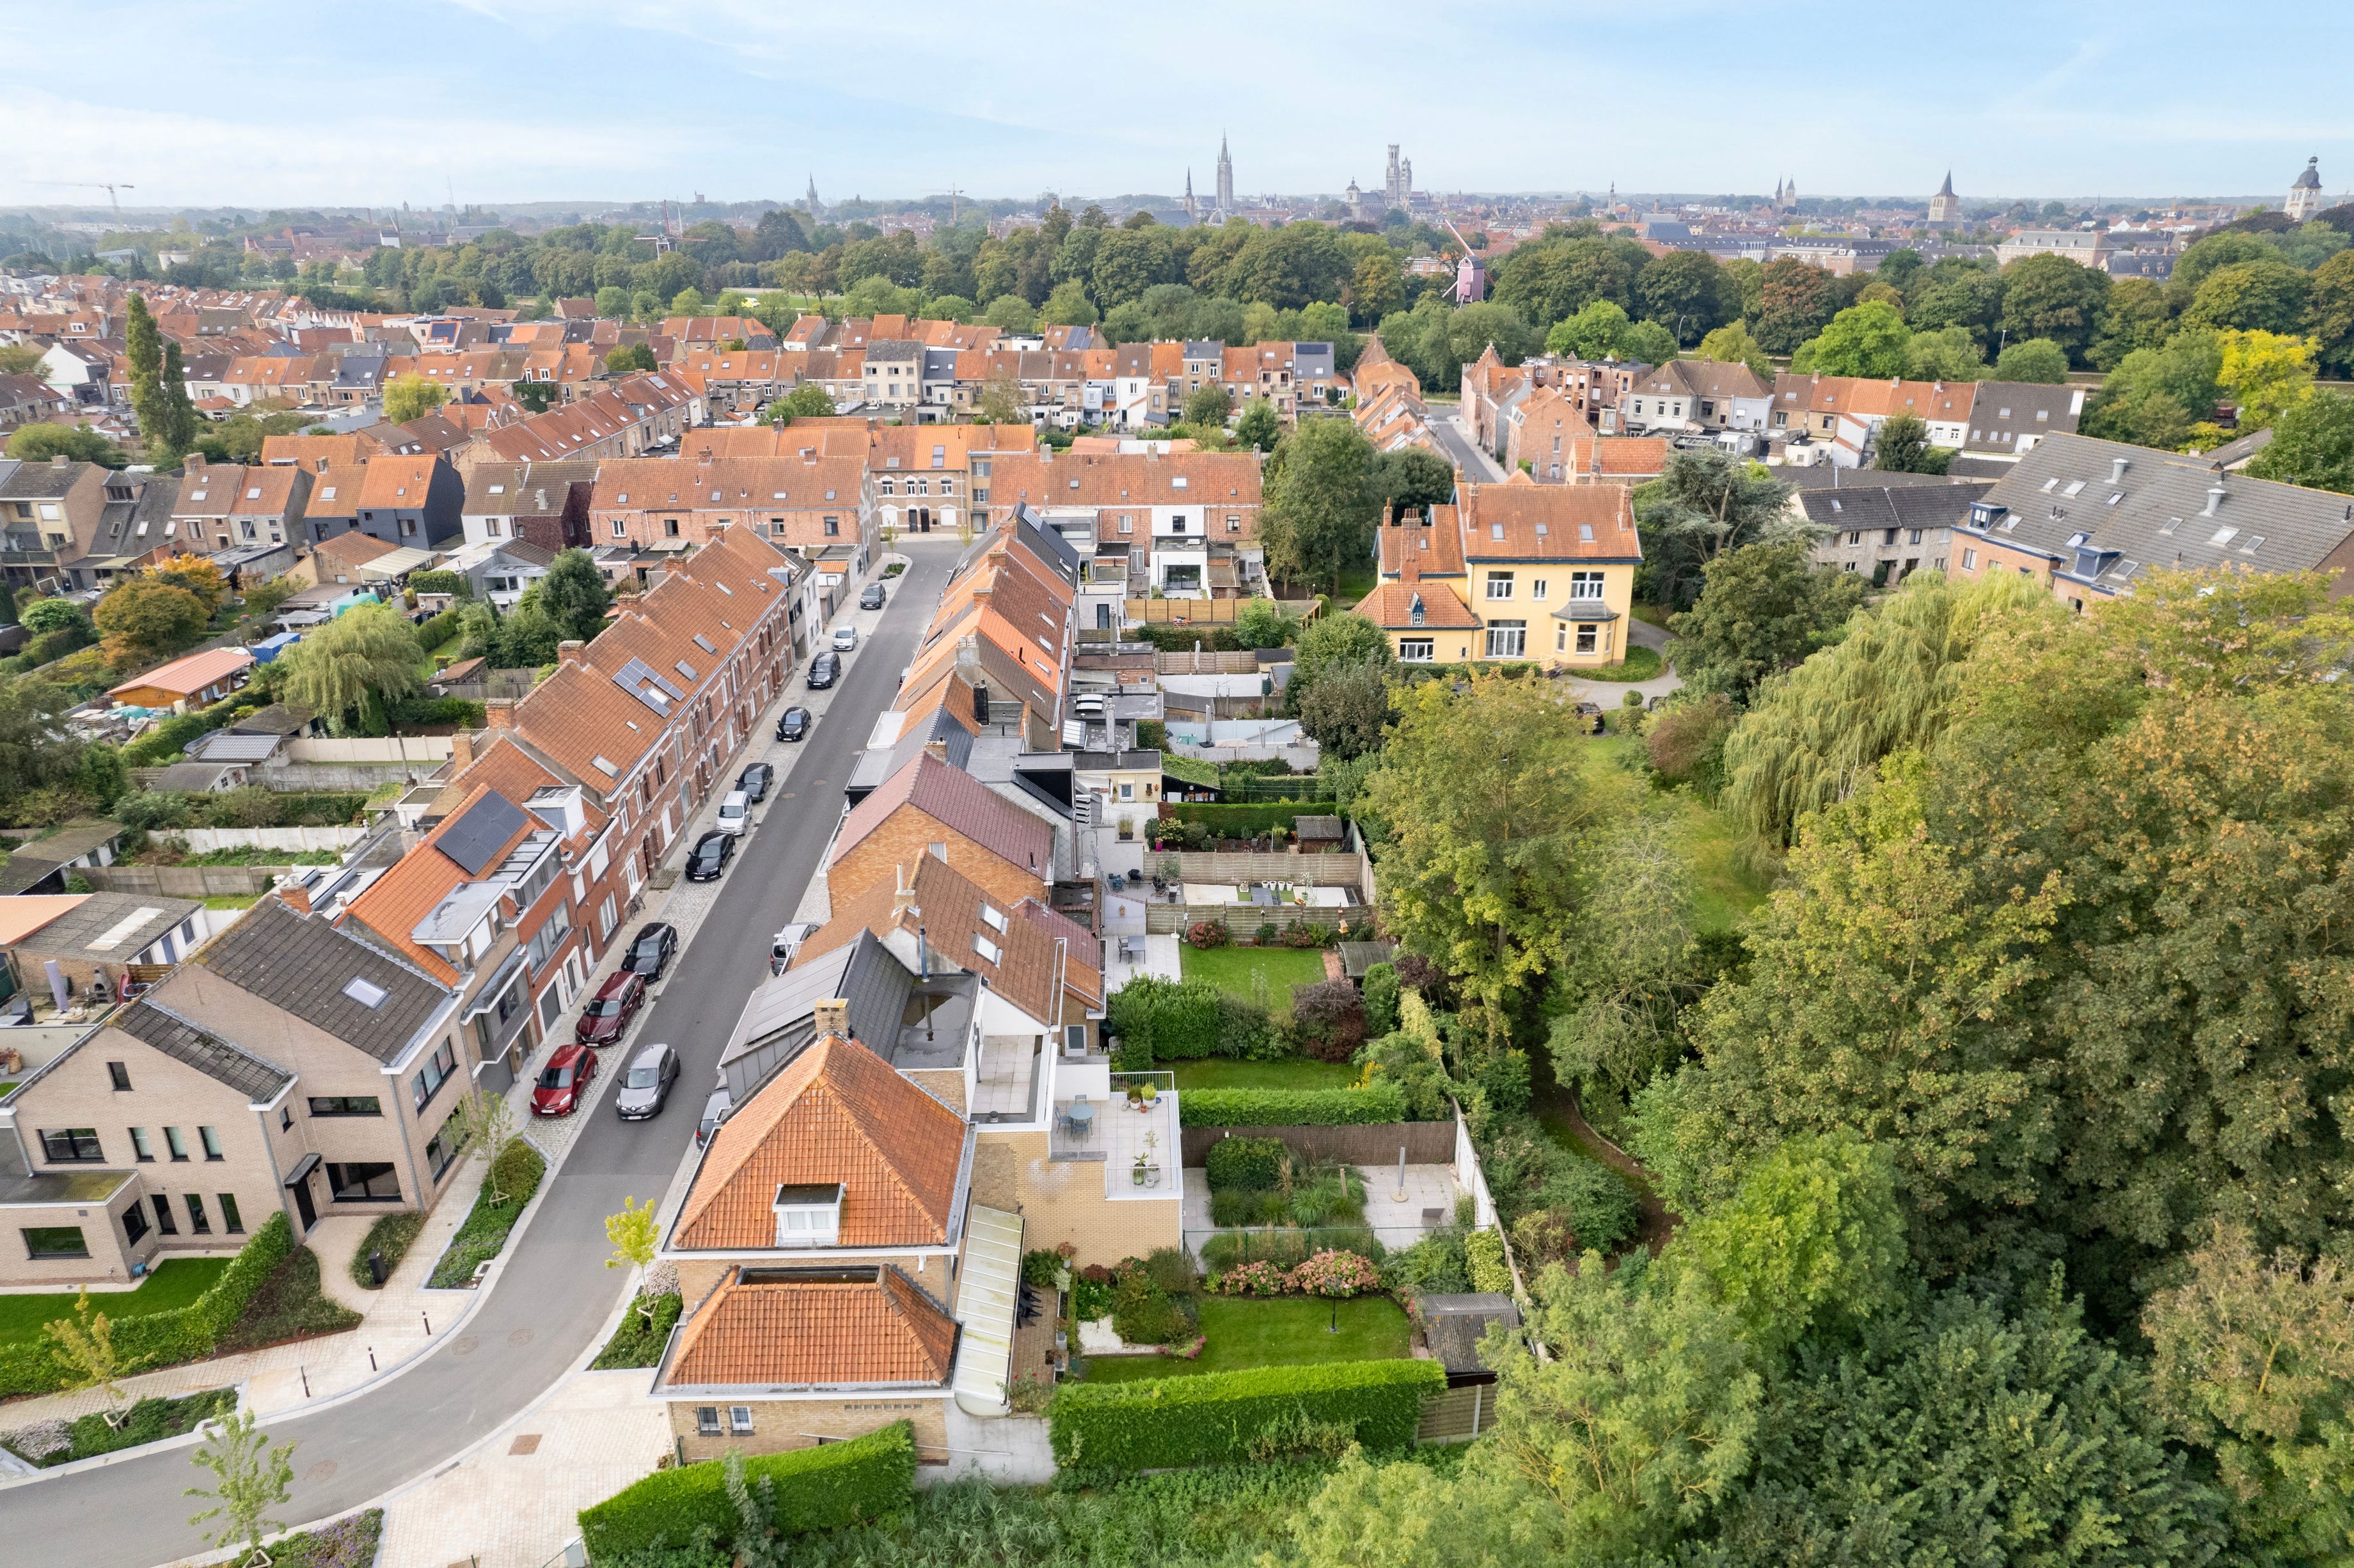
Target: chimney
(832,1016)
(2214,499)
(295,893)
(936,748)
(58,459)
(572,651)
(903,892)
(498,712)
(2117,467)
(461,752)
(192,462)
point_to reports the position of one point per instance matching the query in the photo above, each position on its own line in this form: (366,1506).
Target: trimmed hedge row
(1250,820)
(161,1339)
(1211,1419)
(1376,1103)
(822,1487)
(1160,1020)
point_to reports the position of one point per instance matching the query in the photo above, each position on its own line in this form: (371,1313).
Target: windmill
(1470,273)
(109,187)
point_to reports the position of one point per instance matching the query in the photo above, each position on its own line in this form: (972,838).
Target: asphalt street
(1456,437)
(555,1292)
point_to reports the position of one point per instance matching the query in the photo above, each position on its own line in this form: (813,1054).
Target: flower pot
(1136,1175)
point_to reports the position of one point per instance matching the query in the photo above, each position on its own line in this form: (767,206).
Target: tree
(1765,608)
(1320,502)
(535,397)
(2331,307)
(2052,297)
(1637,966)
(83,1345)
(1686,292)
(1331,642)
(19,359)
(46,614)
(148,617)
(262,598)
(1413,478)
(250,1478)
(2139,313)
(807,401)
(2255,1361)
(528,636)
(1010,312)
(2313,445)
(2037,359)
(1814,1236)
(483,1126)
(576,594)
(2265,373)
(2252,296)
(199,576)
(1704,503)
(1493,800)
(1207,405)
(1794,301)
(1861,340)
(363,654)
(2155,395)
(1347,711)
(159,394)
(1259,425)
(1001,401)
(637,1241)
(1261,623)
(623,360)
(39,443)
(1732,345)
(407,398)
(1593,332)
(1068,307)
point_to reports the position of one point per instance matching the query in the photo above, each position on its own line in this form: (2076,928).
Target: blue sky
(264,103)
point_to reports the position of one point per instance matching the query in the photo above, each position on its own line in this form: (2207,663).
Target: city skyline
(726,99)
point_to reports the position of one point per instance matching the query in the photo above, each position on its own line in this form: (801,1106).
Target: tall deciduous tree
(1703,504)
(576,593)
(250,1478)
(2313,444)
(1321,502)
(407,398)
(1260,425)
(2052,297)
(1861,340)
(148,617)
(1901,445)
(1765,608)
(363,653)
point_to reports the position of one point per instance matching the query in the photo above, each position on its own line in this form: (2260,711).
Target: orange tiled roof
(837,1113)
(1391,607)
(1547,521)
(394,904)
(397,483)
(797,1332)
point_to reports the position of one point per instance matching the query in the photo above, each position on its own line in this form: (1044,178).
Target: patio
(1121,1133)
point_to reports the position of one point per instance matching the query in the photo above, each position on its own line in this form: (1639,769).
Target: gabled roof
(259,1081)
(1392,604)
(837,1113)
(1547,521)
(955,917)
(959,800)
(303,965)
(191,674)
(800,1327)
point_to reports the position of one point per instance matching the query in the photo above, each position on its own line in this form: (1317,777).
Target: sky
(263,103)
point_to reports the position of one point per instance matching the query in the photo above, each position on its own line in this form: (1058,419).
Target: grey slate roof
(41,481)
(1911,506)
(196,778)
(260,1082)
(301,964)
(1455,1324)
(2068,500)
(2002,412)
(75,933)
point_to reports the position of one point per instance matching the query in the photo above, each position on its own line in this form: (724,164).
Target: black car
(793,724)
(873,597)
(652,950)
(711,855)
(755,780)
(825,670)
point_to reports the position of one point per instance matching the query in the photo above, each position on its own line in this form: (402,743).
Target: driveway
(1456,437)
(554,1293)
(1612,694)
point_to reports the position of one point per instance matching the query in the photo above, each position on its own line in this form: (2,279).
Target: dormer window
(809,1215)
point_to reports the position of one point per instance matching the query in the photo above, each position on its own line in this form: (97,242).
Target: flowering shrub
(1255,1279)
(1341,1273)
(662,1280)
(1208,933)
(41,1439)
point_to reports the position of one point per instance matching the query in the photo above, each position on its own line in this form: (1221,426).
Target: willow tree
(368,653)
(1815,732)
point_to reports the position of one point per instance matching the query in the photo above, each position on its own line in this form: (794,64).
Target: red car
(609,1011)
(564,1081)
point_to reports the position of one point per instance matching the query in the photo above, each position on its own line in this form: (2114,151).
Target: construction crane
(92,186)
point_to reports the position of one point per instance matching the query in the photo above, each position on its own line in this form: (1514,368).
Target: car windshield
(732,809)
(605,1008)
(556,1078)
(641,1078)
(649,948)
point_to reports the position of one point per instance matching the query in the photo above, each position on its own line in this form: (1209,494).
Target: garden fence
(1424,1142)
(1242,919)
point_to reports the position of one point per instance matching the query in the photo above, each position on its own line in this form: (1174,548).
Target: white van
(735,812)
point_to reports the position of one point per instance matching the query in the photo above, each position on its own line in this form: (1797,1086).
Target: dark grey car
(645,1084)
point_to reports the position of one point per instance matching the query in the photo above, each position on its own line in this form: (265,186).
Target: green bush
(1161,1020)
(1292,1108)
(163,1338)
(392,1234)
(436,629)
(464,713)
(1250,1163)
(1381,994)
(441,582)
(639,1342)
(1249,821)
(1483,1254)
(1214,1417)
(823,1487)
(484,1233)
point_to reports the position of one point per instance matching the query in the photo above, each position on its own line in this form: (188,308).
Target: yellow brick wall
(782,1425)
(1064,1201)
(945,1084)
(908,834)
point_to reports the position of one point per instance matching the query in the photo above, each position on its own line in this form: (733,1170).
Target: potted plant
(1151,1095)
(1136,1095)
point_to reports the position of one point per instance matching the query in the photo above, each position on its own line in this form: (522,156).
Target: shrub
(823,1487)
(1255,1279)
(1171,1269)
(1336,1274)
(1483,1254)
(1286,1246)
(441,582)
(484,1233)
(1252,819)
(147,810)
(1434,1266)
(644,1330)
(1254,1163)
(1040,1267)
(1214,1417)
(459,713)
(1331,1019)
(1377,1103)
(1209,934)
(1416,973)
(1266,934)
(392,1234)
(1144,1313)
(1307,934)
(1601,1208)
(1380,997)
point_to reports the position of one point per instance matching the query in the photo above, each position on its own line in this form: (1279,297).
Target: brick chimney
(936,748)
(499,713)
(572,651)
(295,894)
(461,752)
(832,1016)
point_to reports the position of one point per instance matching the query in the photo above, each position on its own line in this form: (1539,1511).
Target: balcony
(1138,1142)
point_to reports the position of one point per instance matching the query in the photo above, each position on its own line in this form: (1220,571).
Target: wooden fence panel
(1457,1415)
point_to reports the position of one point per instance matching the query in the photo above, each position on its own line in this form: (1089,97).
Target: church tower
(1945,207)
(2305,195)
(1192,213)
(1225,176)
(816,211)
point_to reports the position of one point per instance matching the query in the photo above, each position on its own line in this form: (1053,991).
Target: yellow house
(1510,572)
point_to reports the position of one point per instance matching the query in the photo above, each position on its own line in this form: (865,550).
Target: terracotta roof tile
(957,800)
(773,1330)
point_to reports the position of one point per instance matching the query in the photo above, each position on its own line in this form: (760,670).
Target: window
(1969,560)
(119,1075)
(1499,585)
(833,527)
(345,1104)
(285,1119)
(69,1146)
(441,1149)
(1560,639)
(54,1241)
(172,1141)
(620,529)
(134,1224)
(739,1420)
(1585,639)
(706,1420)
(1507,638)
(198,1222)
(231,1221)
(211,1140)
(1415,649)
(139,1148)
(371,1182)
(1585,584)
(1537,589)
(437,1070)
(163,1220)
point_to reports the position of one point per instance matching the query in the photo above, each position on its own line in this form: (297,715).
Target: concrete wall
(298,778)
(185,880)
(201,841)
(390,748)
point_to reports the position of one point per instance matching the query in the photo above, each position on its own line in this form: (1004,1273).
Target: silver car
(645,1085)
(714,1111)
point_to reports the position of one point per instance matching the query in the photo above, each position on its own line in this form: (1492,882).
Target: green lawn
(1295,1072)
(1285,1331)
(1726,888)
(1356,582)
(1652,613)
(1640,664)
(1234,968)
(174,1283)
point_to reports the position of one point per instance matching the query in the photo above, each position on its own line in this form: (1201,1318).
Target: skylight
(367,992)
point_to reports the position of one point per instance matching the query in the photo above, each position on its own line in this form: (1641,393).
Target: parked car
(786,943)
(711,852)
(753,782)
(564,1081)
(845,638)
(873,597)
(736,812)
(714,1111)
(609,1011)
(651,949)
(793,724)
(824,671)
(644,1088)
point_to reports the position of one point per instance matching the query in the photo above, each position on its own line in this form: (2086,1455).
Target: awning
(989,1294)
(303,1169)
(1589,611)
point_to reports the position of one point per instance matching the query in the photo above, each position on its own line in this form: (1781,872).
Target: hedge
(1160,1020)
(161,1339)
(822,1487)
(1376,1103)
(1250,820)
(1212,1418)
(464,712)
(1251,1164)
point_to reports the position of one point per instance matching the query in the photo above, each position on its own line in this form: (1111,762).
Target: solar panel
(642,681)
(474,840)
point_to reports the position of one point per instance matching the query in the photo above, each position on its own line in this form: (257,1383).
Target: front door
(303,1204)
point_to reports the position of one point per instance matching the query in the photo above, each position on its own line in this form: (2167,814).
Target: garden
(507,1187)
(172,1285)
(46,1444)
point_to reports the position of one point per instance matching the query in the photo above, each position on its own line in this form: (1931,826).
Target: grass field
(1726,887)
(1293,1073)
(1356,582)
(1285,1331)
(1640,664)
(174,1283)
(1232,969)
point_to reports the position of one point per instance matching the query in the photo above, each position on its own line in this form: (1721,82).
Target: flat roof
(76,1187)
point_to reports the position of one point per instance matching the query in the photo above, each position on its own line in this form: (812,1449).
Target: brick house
(806,502)
(930,806)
